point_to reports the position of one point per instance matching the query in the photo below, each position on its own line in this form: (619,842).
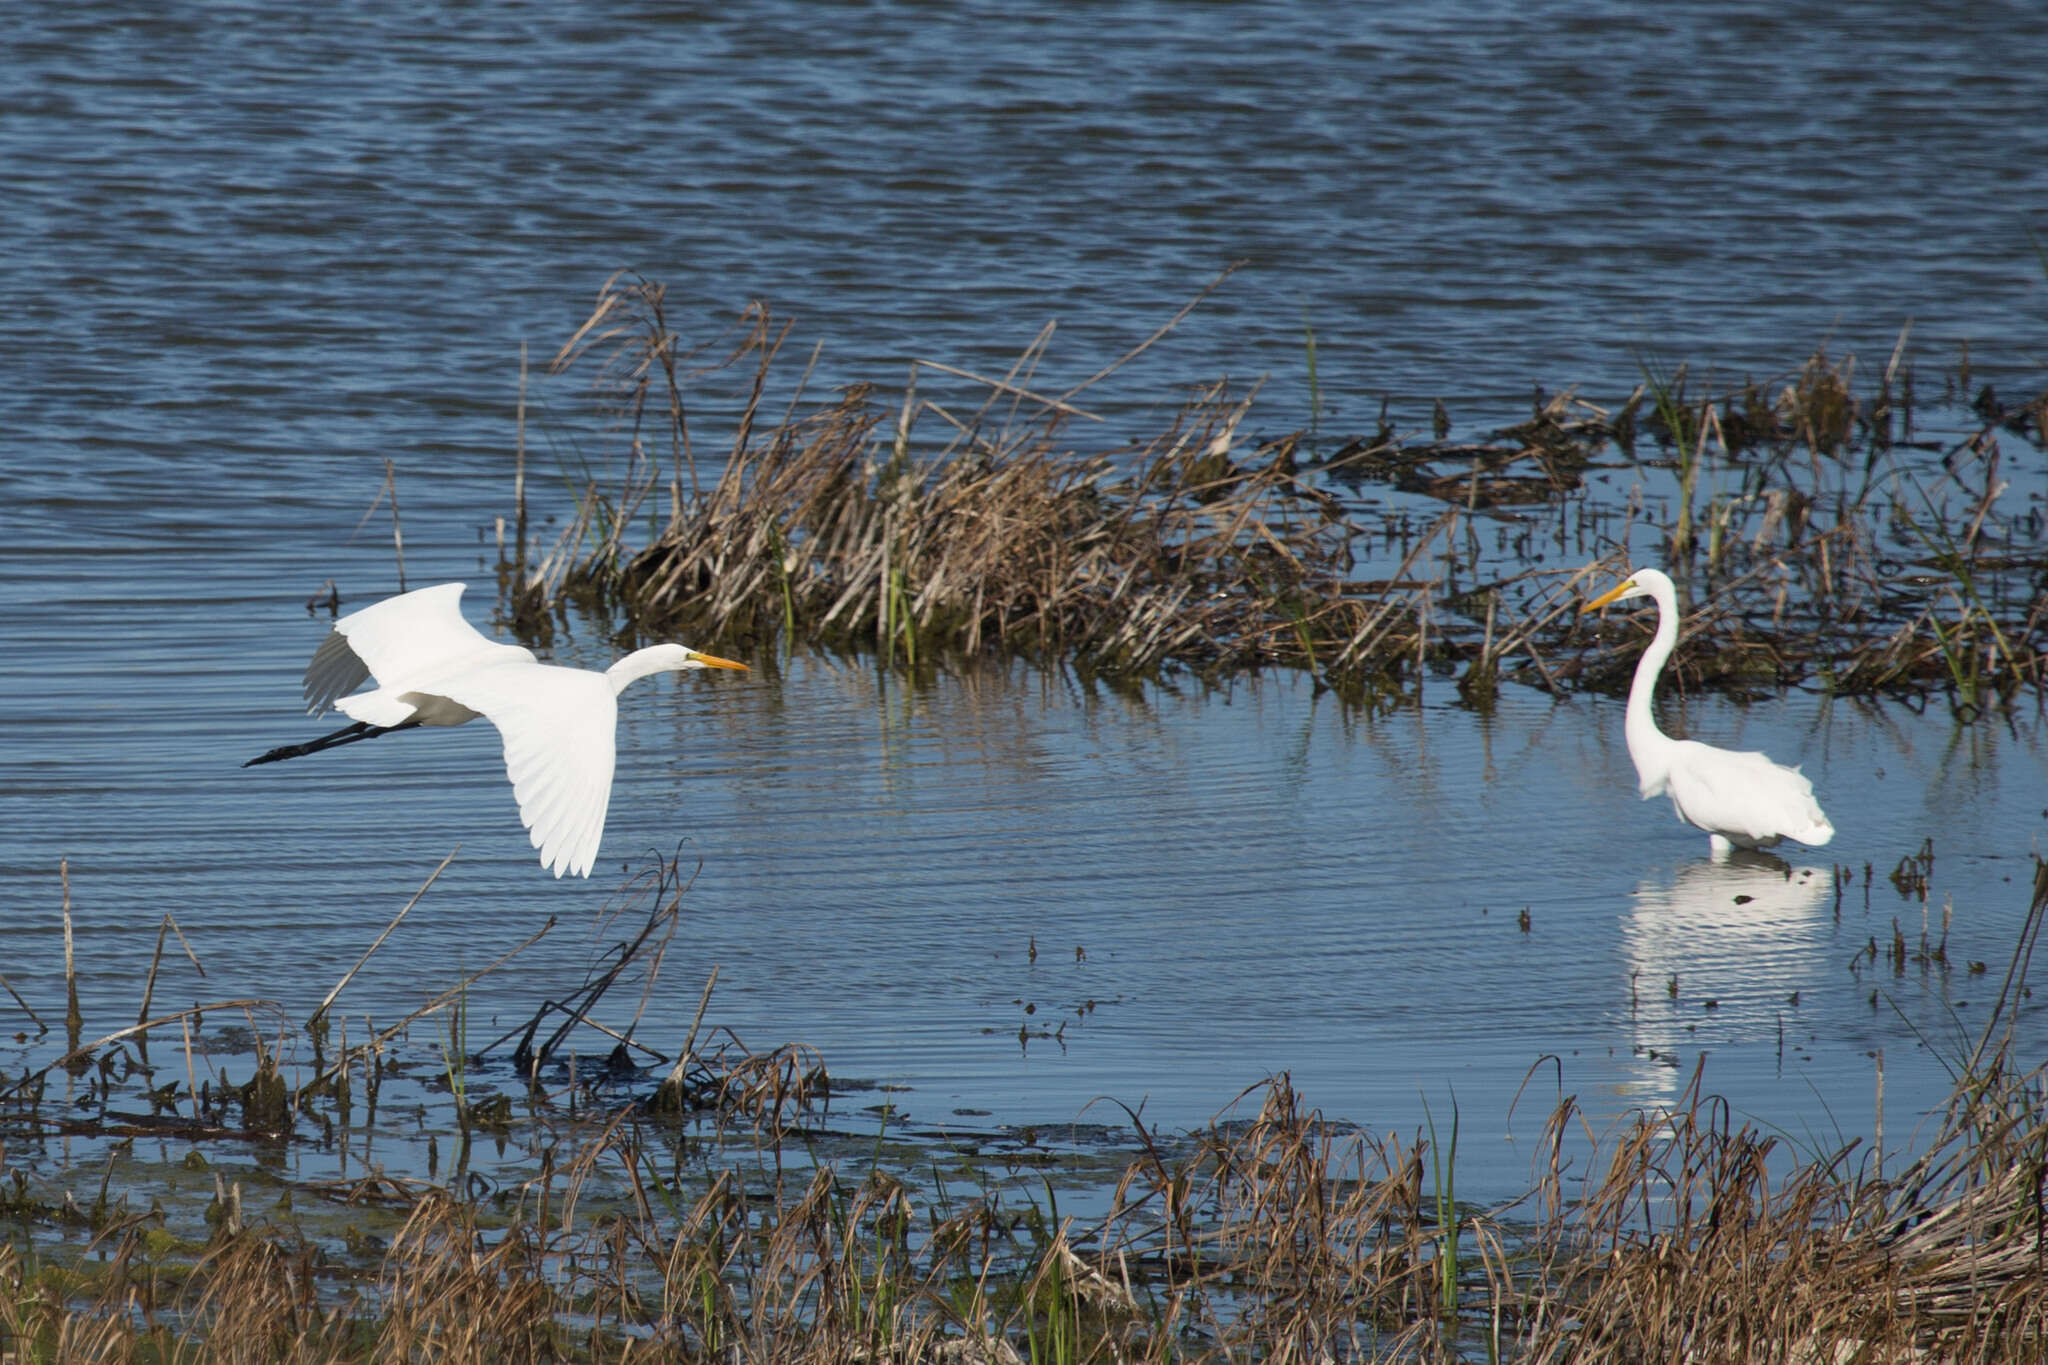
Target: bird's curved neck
(1642,717)
(639,664)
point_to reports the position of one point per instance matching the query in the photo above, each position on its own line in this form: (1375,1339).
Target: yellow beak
(713,661)
(1604,598)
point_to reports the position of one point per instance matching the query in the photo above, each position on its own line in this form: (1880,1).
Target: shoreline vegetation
(714,1205)
(1821,540)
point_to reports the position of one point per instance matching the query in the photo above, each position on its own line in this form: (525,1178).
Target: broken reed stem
(313,1019)
(689,1048)
(397,534)
(519,477)
(379,1038)
(168,926)
(191,1071)
(388,489)
(1486,641)
(1171,323)
(34,1018)
(74,1021)
(618,1036)
(587,996)
(668,874)
(149,981)
(1059,405)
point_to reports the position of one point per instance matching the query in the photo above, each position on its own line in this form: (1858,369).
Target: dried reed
(1202,547)
(1827,551)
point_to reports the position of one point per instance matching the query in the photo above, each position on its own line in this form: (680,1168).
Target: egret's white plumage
(1740,799)
(433,668)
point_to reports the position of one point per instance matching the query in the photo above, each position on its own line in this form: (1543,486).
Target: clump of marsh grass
(1821,544)
(1282,1231)
(853,525)
(1860,570)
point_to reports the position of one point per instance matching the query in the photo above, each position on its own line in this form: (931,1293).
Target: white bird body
(1740,798)
(435,669)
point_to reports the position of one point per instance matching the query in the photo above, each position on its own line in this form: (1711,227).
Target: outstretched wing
(1746,795)
(559,727)
(400,640)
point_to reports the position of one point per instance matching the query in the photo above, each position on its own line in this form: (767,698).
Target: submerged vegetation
(721,1205)
(1822,541)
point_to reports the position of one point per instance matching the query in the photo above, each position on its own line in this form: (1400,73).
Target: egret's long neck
(1643,735)
(640,664)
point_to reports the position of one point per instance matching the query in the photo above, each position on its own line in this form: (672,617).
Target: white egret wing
(416,634)
(559,726)
(1745,794)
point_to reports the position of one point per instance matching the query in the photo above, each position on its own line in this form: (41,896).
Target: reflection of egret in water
(1740,937)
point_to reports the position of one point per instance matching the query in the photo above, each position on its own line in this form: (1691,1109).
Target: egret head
(662,659)
(1639,583)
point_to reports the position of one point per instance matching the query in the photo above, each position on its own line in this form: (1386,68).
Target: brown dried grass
(842,527)
(1823,555)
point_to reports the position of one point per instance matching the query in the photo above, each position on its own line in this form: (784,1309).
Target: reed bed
(749,1225)
(1821,539)
(847,527)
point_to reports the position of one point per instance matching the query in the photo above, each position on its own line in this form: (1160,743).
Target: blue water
(252,253)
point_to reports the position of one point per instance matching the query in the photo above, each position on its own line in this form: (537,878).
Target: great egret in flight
(1739,799)
(434,668)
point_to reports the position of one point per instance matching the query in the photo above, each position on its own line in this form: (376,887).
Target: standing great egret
(1739,799)
(434,668)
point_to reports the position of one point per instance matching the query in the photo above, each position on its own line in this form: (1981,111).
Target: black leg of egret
(348,734)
